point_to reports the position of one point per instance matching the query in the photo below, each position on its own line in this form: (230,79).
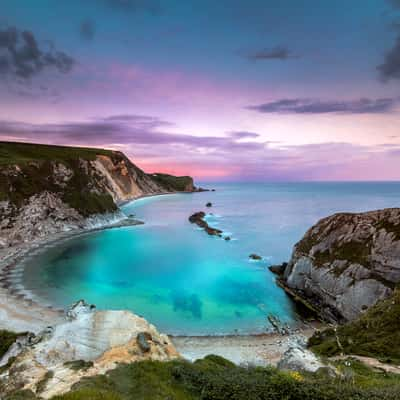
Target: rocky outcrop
(198,219)
(298,358)
(347,262)
(49,189)
(88,343)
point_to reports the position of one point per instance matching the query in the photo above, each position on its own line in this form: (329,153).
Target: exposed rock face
(49,189)
(90,342)
(42,215)
(347,262)
(298,358)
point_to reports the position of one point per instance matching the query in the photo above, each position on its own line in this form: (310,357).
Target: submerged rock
(278,326)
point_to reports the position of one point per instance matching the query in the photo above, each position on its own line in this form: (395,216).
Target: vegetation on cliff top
(173,183)
(214,378)
(12,153)
(36,174)
(374,334)
(7,338)
(36,165)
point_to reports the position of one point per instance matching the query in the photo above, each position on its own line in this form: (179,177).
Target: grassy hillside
(21,153)
(214,378)
(375,334)
(173,183)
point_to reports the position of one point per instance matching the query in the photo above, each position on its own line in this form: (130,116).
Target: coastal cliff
(87,343)
(346,263)
(48,189)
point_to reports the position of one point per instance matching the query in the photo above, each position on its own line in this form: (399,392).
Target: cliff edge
(347,262)
(47,189)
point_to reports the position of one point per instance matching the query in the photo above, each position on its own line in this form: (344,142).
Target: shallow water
(181,279)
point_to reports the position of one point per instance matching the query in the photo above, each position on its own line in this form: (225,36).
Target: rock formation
(49,189)
(347,262)
(298,358)
(88,343)
(198,219)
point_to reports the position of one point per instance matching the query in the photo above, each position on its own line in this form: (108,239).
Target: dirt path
(371,362)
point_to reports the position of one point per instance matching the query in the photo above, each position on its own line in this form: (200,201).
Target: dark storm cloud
(309,106)
(276,53)
(87,29)
(21,57)
(390,69)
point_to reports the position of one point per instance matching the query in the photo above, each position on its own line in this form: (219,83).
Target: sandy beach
(260,350)
(20,311)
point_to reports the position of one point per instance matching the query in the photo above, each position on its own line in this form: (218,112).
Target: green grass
(375,334)
(7,338)
(364,376)
(175,183)
(354,252)
(36,163)
(77,365)
(214,378)
(22,153)
(41,386)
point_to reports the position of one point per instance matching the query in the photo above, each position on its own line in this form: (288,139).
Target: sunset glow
(226,90)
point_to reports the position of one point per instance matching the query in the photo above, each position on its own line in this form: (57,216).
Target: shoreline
(21,311)
(252,349)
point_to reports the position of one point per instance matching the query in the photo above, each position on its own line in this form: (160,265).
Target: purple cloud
(212,157)
(243,135)
(310,106)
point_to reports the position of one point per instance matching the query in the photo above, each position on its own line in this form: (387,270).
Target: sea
(186,282)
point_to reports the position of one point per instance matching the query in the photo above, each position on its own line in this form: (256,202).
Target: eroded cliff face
(47,189)
(88,343)
(347,262)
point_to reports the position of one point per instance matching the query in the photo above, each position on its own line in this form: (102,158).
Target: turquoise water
(181,279)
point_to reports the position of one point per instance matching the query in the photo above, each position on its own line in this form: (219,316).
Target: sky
(227,90)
